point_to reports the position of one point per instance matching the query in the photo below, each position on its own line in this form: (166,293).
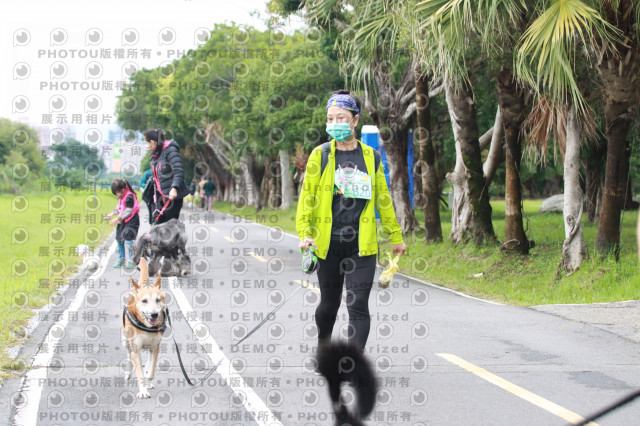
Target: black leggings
(343,262)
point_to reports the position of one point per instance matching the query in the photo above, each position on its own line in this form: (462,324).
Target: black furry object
(165,247)
(341,362)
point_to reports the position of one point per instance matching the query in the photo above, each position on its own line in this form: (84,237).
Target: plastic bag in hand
(390,270)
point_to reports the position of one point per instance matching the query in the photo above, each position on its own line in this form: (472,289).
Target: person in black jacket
(168,176)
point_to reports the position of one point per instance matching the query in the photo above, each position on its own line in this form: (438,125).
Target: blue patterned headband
(343,101)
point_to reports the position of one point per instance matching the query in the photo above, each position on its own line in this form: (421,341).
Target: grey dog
(165,246)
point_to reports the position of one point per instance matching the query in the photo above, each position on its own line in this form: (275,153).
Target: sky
(63,58)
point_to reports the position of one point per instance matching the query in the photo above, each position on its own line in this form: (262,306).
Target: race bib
(353,183)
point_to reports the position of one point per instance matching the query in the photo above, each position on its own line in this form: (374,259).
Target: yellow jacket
(314,217)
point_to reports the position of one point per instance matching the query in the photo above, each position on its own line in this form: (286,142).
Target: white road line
(251,401)
(31,388)
(439,287)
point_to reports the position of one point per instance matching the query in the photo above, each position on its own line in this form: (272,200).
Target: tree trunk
(460,208)
(594,166)
(629,204)
(286,180)
(247,178)
(617,171)
(573,248)
(274,190)
(511,100)
(430,190)
(619,74)
(236,195)
(263,196)
(392,118)
(496,149)
(395,145)
(465,128)
(226,195)
(221,161)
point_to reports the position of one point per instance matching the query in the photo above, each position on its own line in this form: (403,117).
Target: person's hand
(399,248)
(107,217)
(114,222)
(173,194)
(304,244)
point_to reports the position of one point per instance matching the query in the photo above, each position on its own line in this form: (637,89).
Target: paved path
(621,318)
(441,358)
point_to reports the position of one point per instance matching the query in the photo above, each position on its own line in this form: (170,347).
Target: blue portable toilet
(410,165)
(371,137)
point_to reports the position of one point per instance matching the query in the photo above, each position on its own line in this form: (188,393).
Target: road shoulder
(620,318)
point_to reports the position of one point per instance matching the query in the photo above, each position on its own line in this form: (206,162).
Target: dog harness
(140,326)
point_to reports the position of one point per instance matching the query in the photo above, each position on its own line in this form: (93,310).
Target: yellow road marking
(308,285)
(260,258)
(531,397)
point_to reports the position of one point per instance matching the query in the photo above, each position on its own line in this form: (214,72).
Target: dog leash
(161,211)
(184,371)
(270,315)
(156,181)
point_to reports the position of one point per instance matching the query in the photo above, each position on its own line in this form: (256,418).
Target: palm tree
(451,45)
(608,32)
(494,25)
(545,59)
(368,52)
(430,189)
(619,69)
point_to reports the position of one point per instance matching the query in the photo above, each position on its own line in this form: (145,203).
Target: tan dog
(143,323)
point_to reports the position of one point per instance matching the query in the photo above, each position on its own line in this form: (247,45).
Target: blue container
(371,137)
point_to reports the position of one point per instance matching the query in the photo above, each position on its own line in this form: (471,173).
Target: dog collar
(140,326)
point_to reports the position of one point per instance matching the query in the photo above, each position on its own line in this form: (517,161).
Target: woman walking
(169,186)
(344,181)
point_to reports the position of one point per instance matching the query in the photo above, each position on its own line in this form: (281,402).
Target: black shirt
(346,211)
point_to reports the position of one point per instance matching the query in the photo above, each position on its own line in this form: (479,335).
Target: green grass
(509,278)
(529,280)
(21,293)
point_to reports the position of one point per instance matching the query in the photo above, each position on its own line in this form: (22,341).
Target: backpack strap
(377,159)
(326,149)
